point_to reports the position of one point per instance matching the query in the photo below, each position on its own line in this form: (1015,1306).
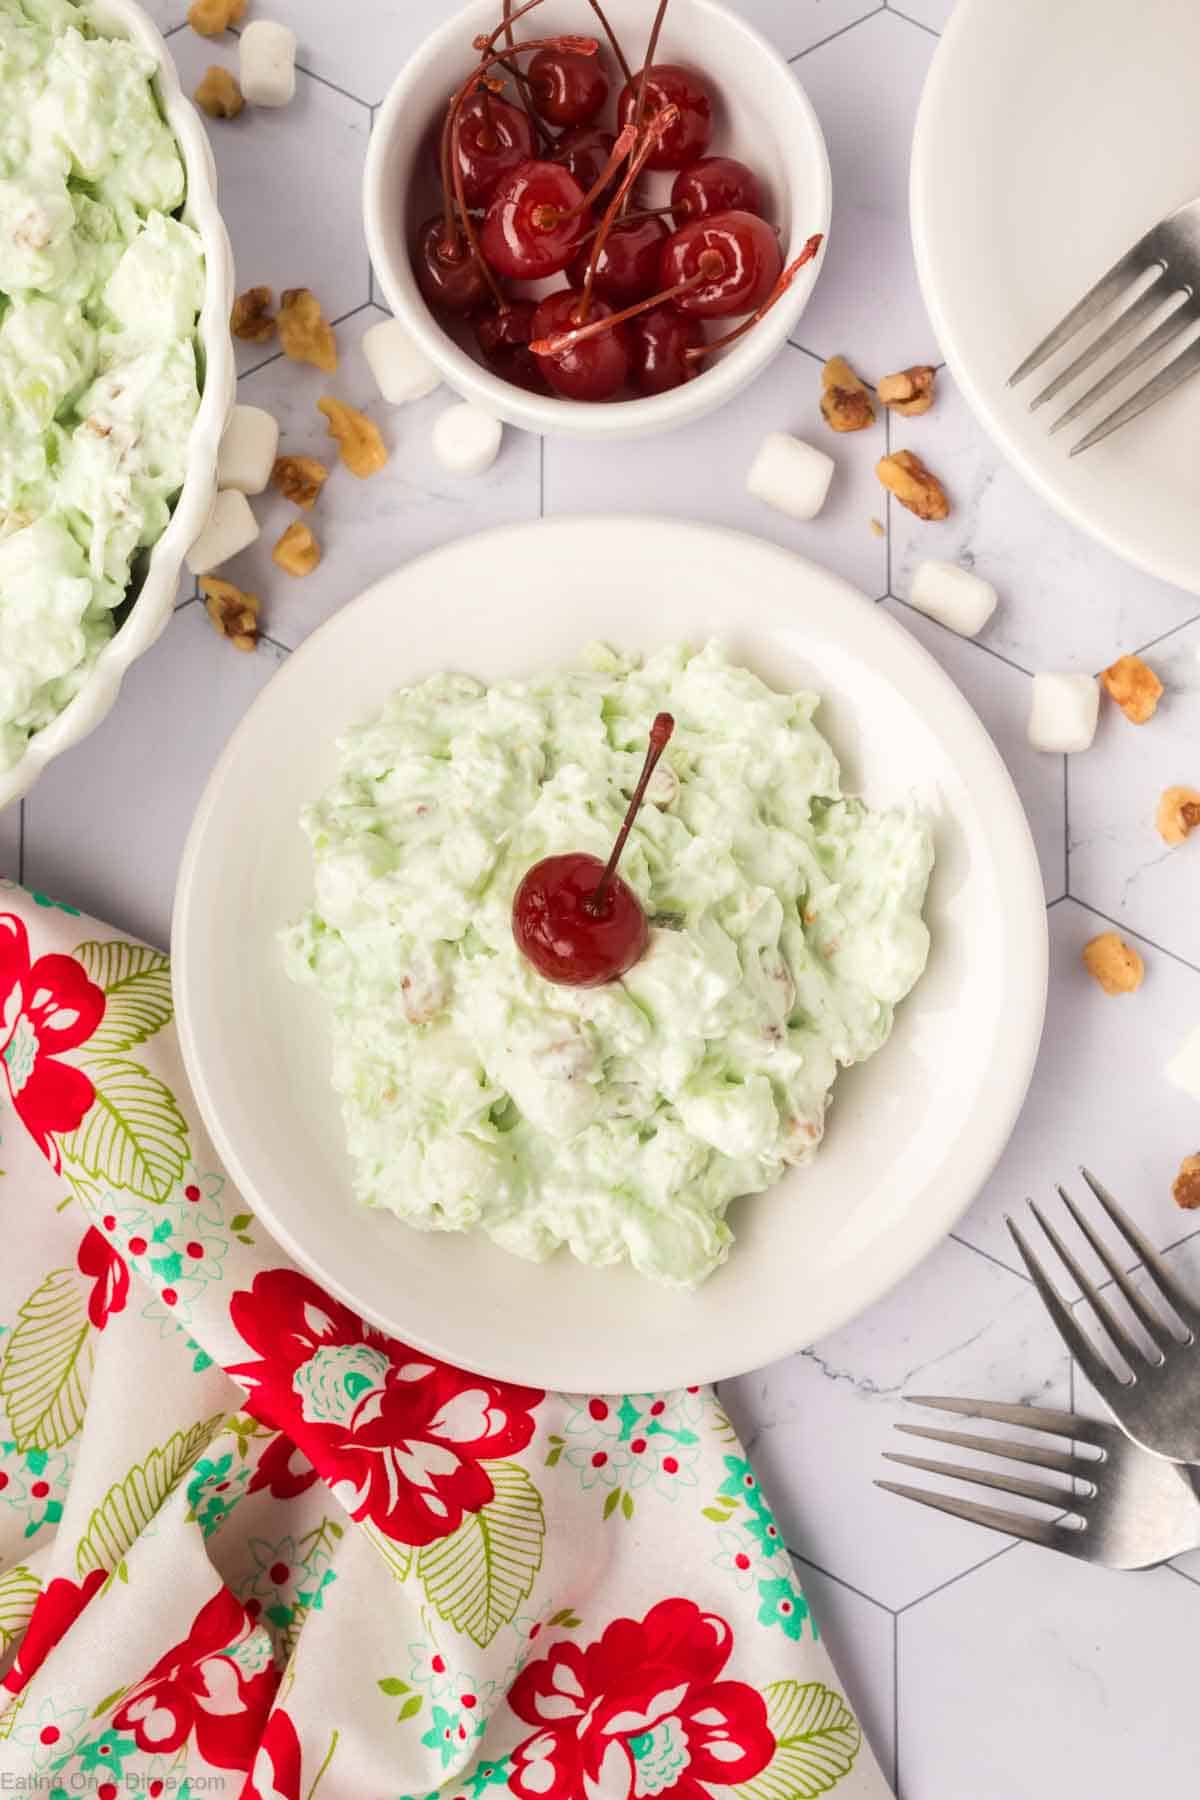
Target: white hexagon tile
(982,1669)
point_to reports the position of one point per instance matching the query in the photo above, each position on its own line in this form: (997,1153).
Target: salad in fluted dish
(99,384)
(620,1120)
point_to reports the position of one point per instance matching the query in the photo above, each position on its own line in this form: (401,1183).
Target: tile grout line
(1122,925)
(344,92)
(1005,1550)
(988,1256)
(838,1580)
(988,649)
(896,1704)
(1183,1575)
(909,20)
(1164,635)
(834,35)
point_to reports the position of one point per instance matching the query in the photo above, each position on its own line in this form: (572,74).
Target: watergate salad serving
(782,925)
(101,288)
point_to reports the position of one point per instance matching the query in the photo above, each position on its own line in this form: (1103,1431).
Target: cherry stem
(490,56)
(522,80)
(634,218)
(698,351)
(660,123)
(613,39)
(660,737)
(651,47)
(579,334)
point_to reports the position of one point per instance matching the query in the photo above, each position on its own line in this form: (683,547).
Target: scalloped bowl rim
(798,130)
(155,603)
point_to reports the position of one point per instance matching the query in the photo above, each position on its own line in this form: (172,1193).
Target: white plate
(1050,136)
(913,1133)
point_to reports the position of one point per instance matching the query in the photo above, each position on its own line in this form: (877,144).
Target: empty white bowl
(763,116)
(155,600)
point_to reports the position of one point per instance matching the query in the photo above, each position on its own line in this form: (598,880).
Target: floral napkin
(252,1546)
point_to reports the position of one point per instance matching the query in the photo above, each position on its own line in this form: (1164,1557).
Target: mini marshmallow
(952,595)
(790,475)
(466,440)
(1063,713)
(248,450)
(231,527)
(268,63)
(401,369)
(1184,1067)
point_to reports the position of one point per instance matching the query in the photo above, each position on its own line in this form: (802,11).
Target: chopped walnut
(305,334)
(234,613)
(845,400)
(299,479)
(210,17)
(1185,1188)
(1111,961)
(910,392)
(219,94)
(297,550)
(877,528)
(1178,813)
(252,319)
(1134,686)
(913,485)
(363,450)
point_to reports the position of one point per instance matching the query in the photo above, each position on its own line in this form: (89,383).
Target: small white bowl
(763,116)
(148,616)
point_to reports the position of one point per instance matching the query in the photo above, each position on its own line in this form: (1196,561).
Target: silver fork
(1156,1400)
(1135,1510)
(1173,248)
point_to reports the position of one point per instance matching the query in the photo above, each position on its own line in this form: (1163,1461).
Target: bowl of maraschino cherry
(598,218)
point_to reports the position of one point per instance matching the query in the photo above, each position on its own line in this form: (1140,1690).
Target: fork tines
(1170,252)
(1053,1534)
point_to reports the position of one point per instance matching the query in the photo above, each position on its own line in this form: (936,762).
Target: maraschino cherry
(574,918)
(567,89)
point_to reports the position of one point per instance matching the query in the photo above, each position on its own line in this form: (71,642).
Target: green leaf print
(477,1578)
(47,1363)
(19,1589)
(392,1684)
(816,1741)
(129,1505)
(398,1557)
(134,1135)
(137,990)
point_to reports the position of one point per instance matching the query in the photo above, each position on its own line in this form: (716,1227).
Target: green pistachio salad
(100,288)
(619,1120)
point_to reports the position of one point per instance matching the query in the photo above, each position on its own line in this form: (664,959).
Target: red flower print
(276,1772)
(640,1712)
(56,1609)
(218,1685)
(110,1276)
(283,1470)
(45,1007)
(397,1435)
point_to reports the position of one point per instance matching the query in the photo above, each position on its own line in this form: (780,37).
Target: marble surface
(984,1668)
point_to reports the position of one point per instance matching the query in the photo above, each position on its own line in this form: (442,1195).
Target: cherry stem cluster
(660,737)
(650,139)
(699,351)
(711,267)
(651,47)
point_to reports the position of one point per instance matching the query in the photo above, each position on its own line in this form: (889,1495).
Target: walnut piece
(1134,686)
(1118,968)
(299,479)
(252,319)
(218,94)
(234,613)
(1185,1188)
(1178,813)
(297,550)
(210,17)
(910,391)
(845,400)
(304,333)
(363,450)
(877,528)
(913,485)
